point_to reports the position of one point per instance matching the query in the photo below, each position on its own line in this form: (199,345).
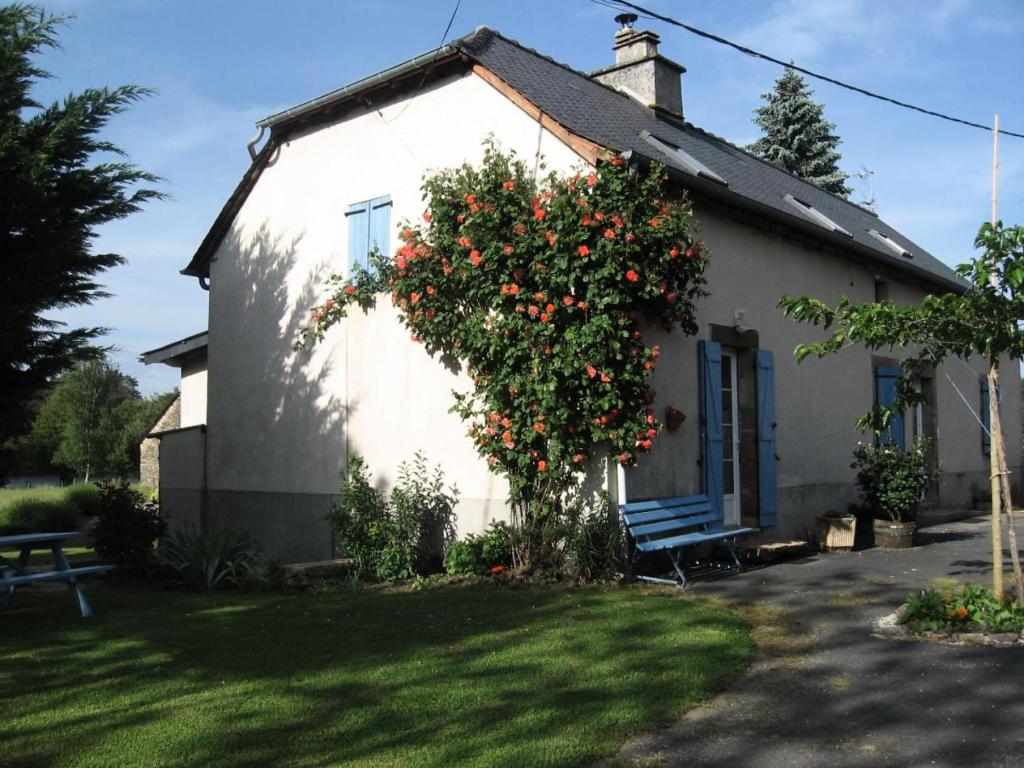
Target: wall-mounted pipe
(204,283)
(251,146)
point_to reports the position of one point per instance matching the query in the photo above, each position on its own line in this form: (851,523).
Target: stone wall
(149,449)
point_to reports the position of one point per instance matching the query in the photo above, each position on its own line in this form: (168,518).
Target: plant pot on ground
(836,531)
(892,483)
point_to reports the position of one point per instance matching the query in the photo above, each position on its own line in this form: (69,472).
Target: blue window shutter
(986,437)
(885,395)
(380,225)
(358,220)
(767,472)
(712,465)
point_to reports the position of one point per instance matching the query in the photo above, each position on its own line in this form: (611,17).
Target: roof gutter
(345,92)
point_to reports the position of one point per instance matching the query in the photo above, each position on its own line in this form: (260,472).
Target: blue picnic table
(14,573)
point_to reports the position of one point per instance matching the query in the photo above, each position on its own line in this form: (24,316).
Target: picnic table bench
(675,525)
(14,573)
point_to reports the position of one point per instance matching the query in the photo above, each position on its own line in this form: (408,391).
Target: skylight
(682,159)
(891,244)
(811,213)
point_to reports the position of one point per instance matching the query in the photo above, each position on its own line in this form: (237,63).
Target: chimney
(641,72)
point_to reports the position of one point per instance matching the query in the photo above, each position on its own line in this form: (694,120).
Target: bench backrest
(661,518)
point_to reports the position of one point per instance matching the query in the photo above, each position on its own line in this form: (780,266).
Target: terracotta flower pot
(890,535)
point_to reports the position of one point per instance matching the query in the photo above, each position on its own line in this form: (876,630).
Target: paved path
(827,693)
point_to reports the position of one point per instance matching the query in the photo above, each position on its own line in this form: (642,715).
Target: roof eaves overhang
(173,354)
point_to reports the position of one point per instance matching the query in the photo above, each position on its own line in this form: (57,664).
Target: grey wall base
(290,526)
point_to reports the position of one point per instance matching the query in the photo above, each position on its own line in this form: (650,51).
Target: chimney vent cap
(627,20)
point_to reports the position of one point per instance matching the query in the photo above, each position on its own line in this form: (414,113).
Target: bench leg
(678,559)
(76,590)
(730,545)
(8,598)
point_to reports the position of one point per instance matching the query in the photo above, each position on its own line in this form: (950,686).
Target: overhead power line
(619,4)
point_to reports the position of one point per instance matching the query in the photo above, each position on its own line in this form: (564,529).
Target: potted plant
(892,483)
(836,531)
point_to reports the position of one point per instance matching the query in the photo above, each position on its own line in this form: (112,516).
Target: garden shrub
(594,541)
(396,538)
(968,608)
(127,527)
(213,558)
(891,481)
(477,555)
(31,515)
(85,498)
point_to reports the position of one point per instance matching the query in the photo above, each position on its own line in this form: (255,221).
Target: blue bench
(14,574)
(675,525)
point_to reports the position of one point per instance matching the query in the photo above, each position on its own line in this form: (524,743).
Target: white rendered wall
(193,394)
(283,421)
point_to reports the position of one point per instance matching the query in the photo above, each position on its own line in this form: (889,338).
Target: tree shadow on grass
(474,676)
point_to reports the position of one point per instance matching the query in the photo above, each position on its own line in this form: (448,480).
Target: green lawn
(445,676)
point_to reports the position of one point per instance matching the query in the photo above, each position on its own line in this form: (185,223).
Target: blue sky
(220,65)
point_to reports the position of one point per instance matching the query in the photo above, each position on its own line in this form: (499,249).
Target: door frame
(732,506)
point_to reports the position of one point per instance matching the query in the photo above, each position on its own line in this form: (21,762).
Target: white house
(338,173)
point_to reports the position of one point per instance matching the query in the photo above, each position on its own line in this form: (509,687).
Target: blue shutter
(712,466)
(885,395)
(986,423)
(358,220)
(767,472)
(380,226)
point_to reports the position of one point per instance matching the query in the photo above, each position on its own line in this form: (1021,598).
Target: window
(682,159)
(886,383)
(811,213)
(369,227)
(890,244)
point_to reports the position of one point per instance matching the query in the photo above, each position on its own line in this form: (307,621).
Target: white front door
(730,439)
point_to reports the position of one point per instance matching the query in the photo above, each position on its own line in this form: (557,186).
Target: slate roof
(620,123)
(617,121)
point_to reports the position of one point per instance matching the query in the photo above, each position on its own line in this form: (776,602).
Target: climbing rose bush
(542,291)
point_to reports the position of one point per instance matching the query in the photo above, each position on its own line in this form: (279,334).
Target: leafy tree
(87,417)
(541,291)
(59,185)
(797,137)
(985,320)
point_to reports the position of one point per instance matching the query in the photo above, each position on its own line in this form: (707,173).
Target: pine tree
(797,137)
(58,183)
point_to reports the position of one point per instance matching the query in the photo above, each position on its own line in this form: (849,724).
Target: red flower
(542,466)
(591,371)
(506,437)
(652,432)
(474,208)
(350,289)
(591,180)
(533,310)
(426,217)
(632,276)
(577,458)
(470,199)
(646,444)
(605,378)
(513,289)
(474,258)
(407,234)
(623,458)
(519,229)
(599,216)
(507,249)
(538,428)
(460,218)
(617,220)
(585,220)
(538,213)
(674,253)
(630,237)
(655,223)
(583,250)
(431,290)
(465,242)
(414,297)
(581,202)
(544,317)
(582,305)
(550,308)
(568,300)
(610,234)
(498,570)
(317,314)
(694,250)
(492,459)
(551,237)
(508,185)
